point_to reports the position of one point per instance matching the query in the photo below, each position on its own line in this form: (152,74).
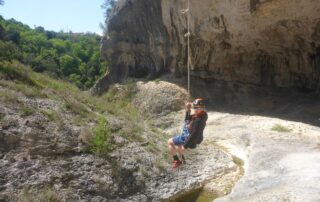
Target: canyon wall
(273,43)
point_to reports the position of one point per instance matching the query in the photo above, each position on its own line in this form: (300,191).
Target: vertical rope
(187,12)
(188,20)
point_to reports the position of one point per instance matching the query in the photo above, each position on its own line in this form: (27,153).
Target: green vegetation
(101,142)
(9,97)
(18,80)
(54,117)
(21,75)
(46,195)
(280,128)
(69,56)
(26,111)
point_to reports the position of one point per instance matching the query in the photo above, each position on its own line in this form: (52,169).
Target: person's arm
(188,116)
(188,112)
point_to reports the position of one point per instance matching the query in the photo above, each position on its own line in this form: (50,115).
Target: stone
(276,166)
(259,42)
(10,123)
(160,98)
(2,113)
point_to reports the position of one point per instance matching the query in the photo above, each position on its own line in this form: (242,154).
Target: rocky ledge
(45,153)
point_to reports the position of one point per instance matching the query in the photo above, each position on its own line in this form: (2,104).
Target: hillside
(74,57)
(58,143)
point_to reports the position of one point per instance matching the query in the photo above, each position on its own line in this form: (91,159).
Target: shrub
(102,136)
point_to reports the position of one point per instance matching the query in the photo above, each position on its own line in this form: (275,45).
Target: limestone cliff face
(262,42)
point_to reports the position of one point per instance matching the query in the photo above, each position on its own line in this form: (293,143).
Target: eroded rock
(260,42)
(160,98)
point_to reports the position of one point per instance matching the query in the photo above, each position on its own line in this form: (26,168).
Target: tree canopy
(71,56)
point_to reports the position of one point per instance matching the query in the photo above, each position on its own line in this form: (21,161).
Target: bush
(101,142)
(8,51)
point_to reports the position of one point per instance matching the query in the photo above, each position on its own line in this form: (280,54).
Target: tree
(8,51)
(68,65)
(2,32)
(13,35)
(51,34)
(74,57)
(80,52)
(39,29)
(33,41)
(59,45)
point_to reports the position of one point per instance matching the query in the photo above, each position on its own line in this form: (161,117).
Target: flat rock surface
(279,166)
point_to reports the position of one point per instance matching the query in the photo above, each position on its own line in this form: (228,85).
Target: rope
(187,12)
(188,20)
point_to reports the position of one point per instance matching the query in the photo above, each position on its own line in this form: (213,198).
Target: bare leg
(181,150)
(172,147)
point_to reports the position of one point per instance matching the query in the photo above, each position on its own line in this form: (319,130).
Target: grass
(157,80)
(28,91)
(46,195)
(17,78)
(9,98)
(280,128)
(27,111)
(75,106)
(13,72)
(152,147)
(55,117)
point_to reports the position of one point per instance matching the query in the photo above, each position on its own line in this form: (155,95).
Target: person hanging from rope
(192,132)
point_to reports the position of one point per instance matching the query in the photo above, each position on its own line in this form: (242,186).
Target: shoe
(176,164)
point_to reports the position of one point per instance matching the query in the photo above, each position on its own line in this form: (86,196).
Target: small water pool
(197,195)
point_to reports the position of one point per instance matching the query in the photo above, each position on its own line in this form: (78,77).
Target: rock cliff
(274,43)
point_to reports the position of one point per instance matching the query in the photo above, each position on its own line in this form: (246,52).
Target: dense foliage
(70,56)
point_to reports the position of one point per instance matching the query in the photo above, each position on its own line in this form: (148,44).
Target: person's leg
(176,147)
(172,147)
(181,151)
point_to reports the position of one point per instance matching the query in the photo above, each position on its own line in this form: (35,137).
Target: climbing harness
(187,12)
